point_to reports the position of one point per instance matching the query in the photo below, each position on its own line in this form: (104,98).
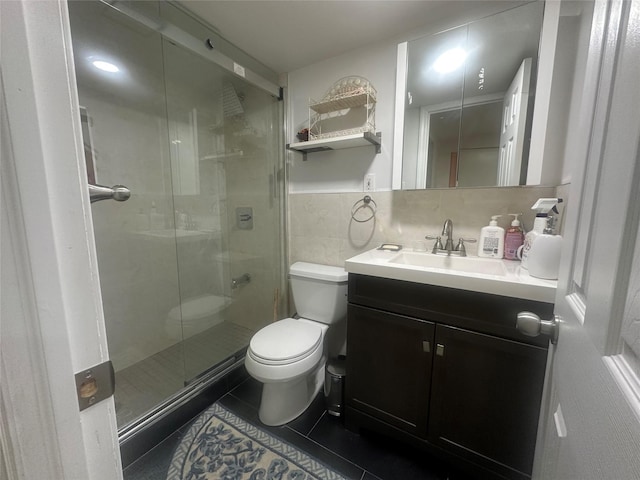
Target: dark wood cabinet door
(485,399)
(389,360)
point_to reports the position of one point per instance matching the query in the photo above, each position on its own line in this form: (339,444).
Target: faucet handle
(438,239)
(460,247)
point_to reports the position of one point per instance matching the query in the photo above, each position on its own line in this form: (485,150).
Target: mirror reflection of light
(450,60)
(105,66)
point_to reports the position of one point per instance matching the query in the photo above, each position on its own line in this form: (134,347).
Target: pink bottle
(513,238)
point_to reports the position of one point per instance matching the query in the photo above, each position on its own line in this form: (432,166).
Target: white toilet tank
(319,291)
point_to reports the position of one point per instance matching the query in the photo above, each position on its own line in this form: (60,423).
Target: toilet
(289,356)
(195,315)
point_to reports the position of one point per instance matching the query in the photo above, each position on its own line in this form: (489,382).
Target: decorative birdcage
(349,107)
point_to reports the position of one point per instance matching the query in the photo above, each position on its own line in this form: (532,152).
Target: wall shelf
(359,98)
(328,118)
(362,139)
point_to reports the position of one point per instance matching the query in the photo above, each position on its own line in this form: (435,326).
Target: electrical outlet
(370,182)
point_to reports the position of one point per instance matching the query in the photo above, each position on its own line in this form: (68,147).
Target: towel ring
(365,202)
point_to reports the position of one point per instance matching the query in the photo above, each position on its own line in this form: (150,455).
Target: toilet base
(283,402)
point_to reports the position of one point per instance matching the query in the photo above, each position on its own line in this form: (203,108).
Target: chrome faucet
(448,248)
(447,229)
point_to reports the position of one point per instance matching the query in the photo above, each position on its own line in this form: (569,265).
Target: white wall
(563,80)
(560,90)
(582,29)
(343,170)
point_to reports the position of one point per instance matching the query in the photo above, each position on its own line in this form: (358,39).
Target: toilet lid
(286,340)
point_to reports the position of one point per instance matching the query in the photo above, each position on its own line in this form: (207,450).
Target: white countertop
(515,282)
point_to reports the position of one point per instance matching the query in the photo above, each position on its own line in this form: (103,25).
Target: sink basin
(487,275)
(485,266)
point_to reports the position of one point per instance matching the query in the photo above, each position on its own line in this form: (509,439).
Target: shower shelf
(222,156)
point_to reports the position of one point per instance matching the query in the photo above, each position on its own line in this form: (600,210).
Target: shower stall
(191,265)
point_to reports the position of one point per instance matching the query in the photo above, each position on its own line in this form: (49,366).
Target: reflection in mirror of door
(467,118)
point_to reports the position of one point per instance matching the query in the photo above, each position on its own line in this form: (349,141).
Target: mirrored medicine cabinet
(465,103)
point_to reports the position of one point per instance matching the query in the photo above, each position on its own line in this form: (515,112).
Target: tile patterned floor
(357,457)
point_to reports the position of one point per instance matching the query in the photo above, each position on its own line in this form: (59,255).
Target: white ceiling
(287,35)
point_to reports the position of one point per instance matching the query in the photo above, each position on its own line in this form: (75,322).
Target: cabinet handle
(440,350)
(426,346)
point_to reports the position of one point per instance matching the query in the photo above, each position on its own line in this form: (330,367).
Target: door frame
(52,319)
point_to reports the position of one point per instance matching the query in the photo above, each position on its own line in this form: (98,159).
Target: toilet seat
(195,315)
(197,308)
(285,341)
(304,348)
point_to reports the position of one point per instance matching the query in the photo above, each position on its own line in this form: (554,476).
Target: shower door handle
(119,193)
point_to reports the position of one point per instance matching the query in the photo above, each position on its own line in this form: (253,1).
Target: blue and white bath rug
(221,446)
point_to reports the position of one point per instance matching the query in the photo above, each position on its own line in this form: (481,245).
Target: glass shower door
(225,141)
(119,68)
(190,265)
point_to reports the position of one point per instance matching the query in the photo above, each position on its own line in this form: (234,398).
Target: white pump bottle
(491,239)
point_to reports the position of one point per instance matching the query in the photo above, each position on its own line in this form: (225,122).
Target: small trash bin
(334,387)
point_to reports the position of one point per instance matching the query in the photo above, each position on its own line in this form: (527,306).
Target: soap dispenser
(492,239)
(544,256)
(513,238)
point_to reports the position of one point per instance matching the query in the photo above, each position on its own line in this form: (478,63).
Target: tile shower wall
(321,229)
(127,259)
(234,172)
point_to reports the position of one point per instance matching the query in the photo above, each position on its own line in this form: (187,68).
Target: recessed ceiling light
(450,60)
(105,66)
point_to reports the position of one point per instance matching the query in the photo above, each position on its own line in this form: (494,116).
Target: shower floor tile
(149,382)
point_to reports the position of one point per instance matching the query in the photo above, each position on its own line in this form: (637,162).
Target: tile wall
(321,229)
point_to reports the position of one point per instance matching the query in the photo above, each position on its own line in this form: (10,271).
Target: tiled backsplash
(321,229)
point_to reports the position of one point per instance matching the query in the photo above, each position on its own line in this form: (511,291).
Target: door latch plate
(95,384)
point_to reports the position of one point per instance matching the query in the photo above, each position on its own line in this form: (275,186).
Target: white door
(590,420)
(514,118)
(52,322)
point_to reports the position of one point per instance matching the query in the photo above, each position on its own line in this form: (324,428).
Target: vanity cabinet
(486,397)
(391,365)
(447,370)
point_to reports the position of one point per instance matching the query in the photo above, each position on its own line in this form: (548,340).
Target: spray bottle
(543,207)
(544,256)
